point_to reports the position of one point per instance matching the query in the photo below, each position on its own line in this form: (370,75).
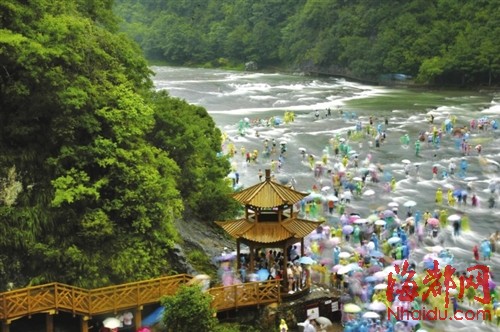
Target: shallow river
(232,98)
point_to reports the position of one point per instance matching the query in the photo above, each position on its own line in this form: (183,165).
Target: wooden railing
(59,297)
(246,294)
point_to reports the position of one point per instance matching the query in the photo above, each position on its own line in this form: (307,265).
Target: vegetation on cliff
(94,165)
(435,41)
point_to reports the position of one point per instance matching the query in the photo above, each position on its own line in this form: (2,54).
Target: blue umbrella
(306,260)
(394,240)
(371,279)
(263,274)
(153,318)
(376,254)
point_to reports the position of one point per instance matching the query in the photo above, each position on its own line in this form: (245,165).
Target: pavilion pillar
(84,324)
(238,253)
(285,266)
(251,267)
(302,251)
(5,326)
(49,323)
(138,316)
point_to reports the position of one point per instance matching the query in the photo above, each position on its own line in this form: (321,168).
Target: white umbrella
(454,217)
(369,192)
(371,314)
(393,204)
(406,161)
(437,249)
(377,305)
(302,149)
(361,221)
(344,254)
(326,188)
(323,322)
(112,323)
(410,203)
(357,178)
(332,198)
(380,286)
(344,269)
(380,222)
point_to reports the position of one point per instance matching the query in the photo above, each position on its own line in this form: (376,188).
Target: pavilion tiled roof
(268,194)
(269,232)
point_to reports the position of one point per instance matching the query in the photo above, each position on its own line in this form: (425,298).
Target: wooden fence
(54,297)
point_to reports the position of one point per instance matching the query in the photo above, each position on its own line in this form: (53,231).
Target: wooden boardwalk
(51,298)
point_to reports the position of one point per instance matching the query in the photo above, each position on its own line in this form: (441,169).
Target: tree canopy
(434,41)
(92,165)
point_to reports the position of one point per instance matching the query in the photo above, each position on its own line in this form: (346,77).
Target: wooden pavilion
(269,221)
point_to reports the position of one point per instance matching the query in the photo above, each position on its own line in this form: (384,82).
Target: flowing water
(232,98)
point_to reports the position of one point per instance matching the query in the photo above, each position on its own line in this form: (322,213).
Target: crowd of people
(357,252)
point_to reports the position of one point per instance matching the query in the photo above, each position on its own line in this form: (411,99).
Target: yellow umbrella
(351,308)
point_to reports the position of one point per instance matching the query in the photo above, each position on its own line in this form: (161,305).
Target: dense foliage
(189,310)
(436,41)
(92,166)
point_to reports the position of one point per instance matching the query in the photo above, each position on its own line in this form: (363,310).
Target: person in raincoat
(451,198)
(443,218)
(283,326)
(356,235)
(417,148)
(486,249)
(439,196)
(393,184)
(475,252)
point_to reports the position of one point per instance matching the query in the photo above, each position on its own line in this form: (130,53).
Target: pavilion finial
(268,175)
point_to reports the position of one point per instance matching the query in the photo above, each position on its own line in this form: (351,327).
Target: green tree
(189,310)
(74,125)
(191,138)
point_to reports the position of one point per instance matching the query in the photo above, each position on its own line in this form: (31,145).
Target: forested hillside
(94,165)
(434,41)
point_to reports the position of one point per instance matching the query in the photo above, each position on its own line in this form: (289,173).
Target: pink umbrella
(433,221)
(374,268)
(354,217)
(144,329)
(336,267)
(326,261)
